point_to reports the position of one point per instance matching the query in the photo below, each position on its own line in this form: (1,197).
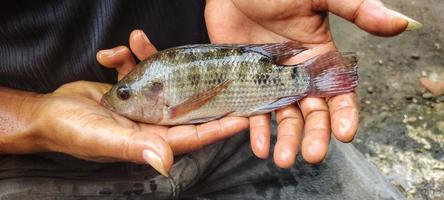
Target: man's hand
(70,120)
(306,21)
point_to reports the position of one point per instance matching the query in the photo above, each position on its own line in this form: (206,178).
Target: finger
(187,138)
(260,133)
(119,58)
(151,149)
(114,141)
(141,45)
(316,129)
(344,116)
(290,124)
(370,15)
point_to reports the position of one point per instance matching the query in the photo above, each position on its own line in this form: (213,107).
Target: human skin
(70,119)
(306,126)
(306,21)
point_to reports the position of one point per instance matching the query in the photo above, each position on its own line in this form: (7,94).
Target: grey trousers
(225,170)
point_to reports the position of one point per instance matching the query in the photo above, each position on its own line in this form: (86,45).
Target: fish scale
(242,97)
(198,83)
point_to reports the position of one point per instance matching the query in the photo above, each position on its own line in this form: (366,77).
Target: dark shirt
(44,44)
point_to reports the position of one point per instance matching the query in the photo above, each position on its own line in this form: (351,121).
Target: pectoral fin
(198,100)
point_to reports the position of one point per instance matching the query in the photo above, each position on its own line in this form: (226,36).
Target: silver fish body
(199,83)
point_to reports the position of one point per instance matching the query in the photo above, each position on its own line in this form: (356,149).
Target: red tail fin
(332,73)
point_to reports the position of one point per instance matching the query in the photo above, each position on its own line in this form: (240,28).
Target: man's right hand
(70,120)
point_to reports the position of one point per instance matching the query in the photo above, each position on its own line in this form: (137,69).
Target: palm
(86,125)
(78,102)
(305,21)
(254,22)
(71,120)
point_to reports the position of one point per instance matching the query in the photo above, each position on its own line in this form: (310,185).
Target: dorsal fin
(277,51)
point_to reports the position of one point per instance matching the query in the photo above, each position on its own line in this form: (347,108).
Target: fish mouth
(105,103)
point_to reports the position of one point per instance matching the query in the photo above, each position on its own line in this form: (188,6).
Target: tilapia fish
(199,83)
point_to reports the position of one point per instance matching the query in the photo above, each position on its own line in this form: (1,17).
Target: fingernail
(286,154)
(260,142)
(155,161)
(314,147)
(344,126)
(412,24)
(107,52)
(143,35)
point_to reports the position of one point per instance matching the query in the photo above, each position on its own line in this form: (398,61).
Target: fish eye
(123,92)
(156,87)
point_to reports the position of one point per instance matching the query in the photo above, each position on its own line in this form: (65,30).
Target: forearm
(17,132)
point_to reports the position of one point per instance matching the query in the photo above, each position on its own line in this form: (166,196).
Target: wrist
(18,119)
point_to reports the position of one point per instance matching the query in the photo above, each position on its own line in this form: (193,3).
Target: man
(46,46)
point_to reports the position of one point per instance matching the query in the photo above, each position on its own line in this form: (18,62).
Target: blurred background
(402,123)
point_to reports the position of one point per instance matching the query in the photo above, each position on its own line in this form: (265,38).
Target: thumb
(370,15)
(139,147)
(151,149)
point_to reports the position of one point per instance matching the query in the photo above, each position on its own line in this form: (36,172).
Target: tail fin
(332,73)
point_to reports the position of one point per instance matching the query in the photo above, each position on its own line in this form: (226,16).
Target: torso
(44,44)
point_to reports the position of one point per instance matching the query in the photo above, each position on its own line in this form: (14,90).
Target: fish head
(137,100)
